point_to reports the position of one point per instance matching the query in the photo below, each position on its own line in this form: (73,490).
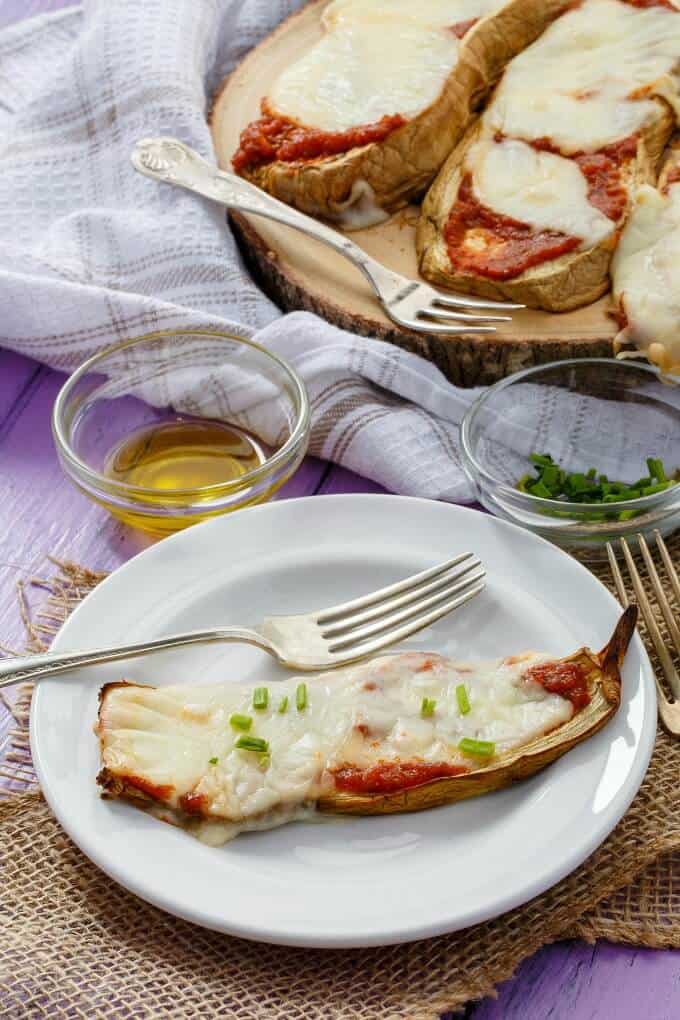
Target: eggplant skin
(401,167)
(556,285)
(604,686)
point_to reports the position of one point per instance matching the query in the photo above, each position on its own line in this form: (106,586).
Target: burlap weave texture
(77,945)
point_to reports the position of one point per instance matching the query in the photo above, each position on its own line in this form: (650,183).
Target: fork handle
(169,160)
(27,668)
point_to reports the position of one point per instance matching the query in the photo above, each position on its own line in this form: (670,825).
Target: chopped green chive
(301,697)
(539,489)
(620,497)
(427,707)
(252,744)
(649,490)
(550,482)
(656,469)
(240,722)
(283,705)
(462,699)
(260,698)
(213,761)
(477,748)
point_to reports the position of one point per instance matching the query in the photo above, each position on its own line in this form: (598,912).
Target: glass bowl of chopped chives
(582,452)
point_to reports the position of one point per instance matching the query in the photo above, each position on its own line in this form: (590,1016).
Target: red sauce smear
(602,171)
(672,178)
(510,246)
(651,3)
(461,28)
(567,679)
(193,803)
(273,138)
(605,190)
(150,789)
(619,315)
(390,777)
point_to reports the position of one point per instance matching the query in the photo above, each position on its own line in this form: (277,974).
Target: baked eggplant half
(401,732)
(362,121)
(646,272)
(531,204)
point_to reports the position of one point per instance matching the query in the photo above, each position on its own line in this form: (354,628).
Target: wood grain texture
(302,273)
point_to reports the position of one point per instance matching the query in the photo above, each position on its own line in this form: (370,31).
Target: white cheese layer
(646,276)
(576,84)
(375,59)
(360,716)
(544,190)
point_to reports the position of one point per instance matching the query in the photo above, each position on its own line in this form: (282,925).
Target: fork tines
(646,608)
(420,307)
(391,614)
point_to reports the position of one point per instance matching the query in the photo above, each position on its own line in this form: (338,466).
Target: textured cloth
(77,945)
(92,253)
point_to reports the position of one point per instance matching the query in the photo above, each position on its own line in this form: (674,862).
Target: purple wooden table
(41,513)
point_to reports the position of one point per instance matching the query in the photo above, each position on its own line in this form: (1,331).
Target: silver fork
(322,640)
(409,303)
(668,710)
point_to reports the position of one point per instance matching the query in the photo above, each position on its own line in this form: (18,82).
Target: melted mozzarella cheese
(436,13)
(646,276)
(546,191)
(374,59)
(574,84)
(360,716)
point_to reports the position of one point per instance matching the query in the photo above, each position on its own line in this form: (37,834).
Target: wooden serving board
(299,273)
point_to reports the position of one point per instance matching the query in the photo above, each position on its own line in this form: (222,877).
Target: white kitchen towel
(92,253)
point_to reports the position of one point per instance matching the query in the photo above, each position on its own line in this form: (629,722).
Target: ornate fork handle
(169,160)
(37,667)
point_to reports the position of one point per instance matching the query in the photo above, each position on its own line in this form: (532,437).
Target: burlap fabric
(76,945)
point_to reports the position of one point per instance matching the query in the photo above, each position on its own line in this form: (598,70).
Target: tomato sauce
(461,28)
(150,789)
(193,803)
(390,777)
(602,171)
(272,138)
(605,190)
(567,679)
(507,246)
(619,316)
(672,178)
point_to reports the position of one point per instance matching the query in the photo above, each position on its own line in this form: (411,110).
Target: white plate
(363,881)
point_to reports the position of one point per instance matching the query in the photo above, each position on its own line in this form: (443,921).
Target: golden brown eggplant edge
(603,674)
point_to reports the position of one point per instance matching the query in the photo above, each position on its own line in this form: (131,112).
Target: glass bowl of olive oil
(174,427)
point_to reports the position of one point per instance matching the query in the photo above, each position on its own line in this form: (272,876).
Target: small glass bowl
(587,413)
(180,376)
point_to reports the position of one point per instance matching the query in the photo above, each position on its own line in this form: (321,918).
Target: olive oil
(181,454)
